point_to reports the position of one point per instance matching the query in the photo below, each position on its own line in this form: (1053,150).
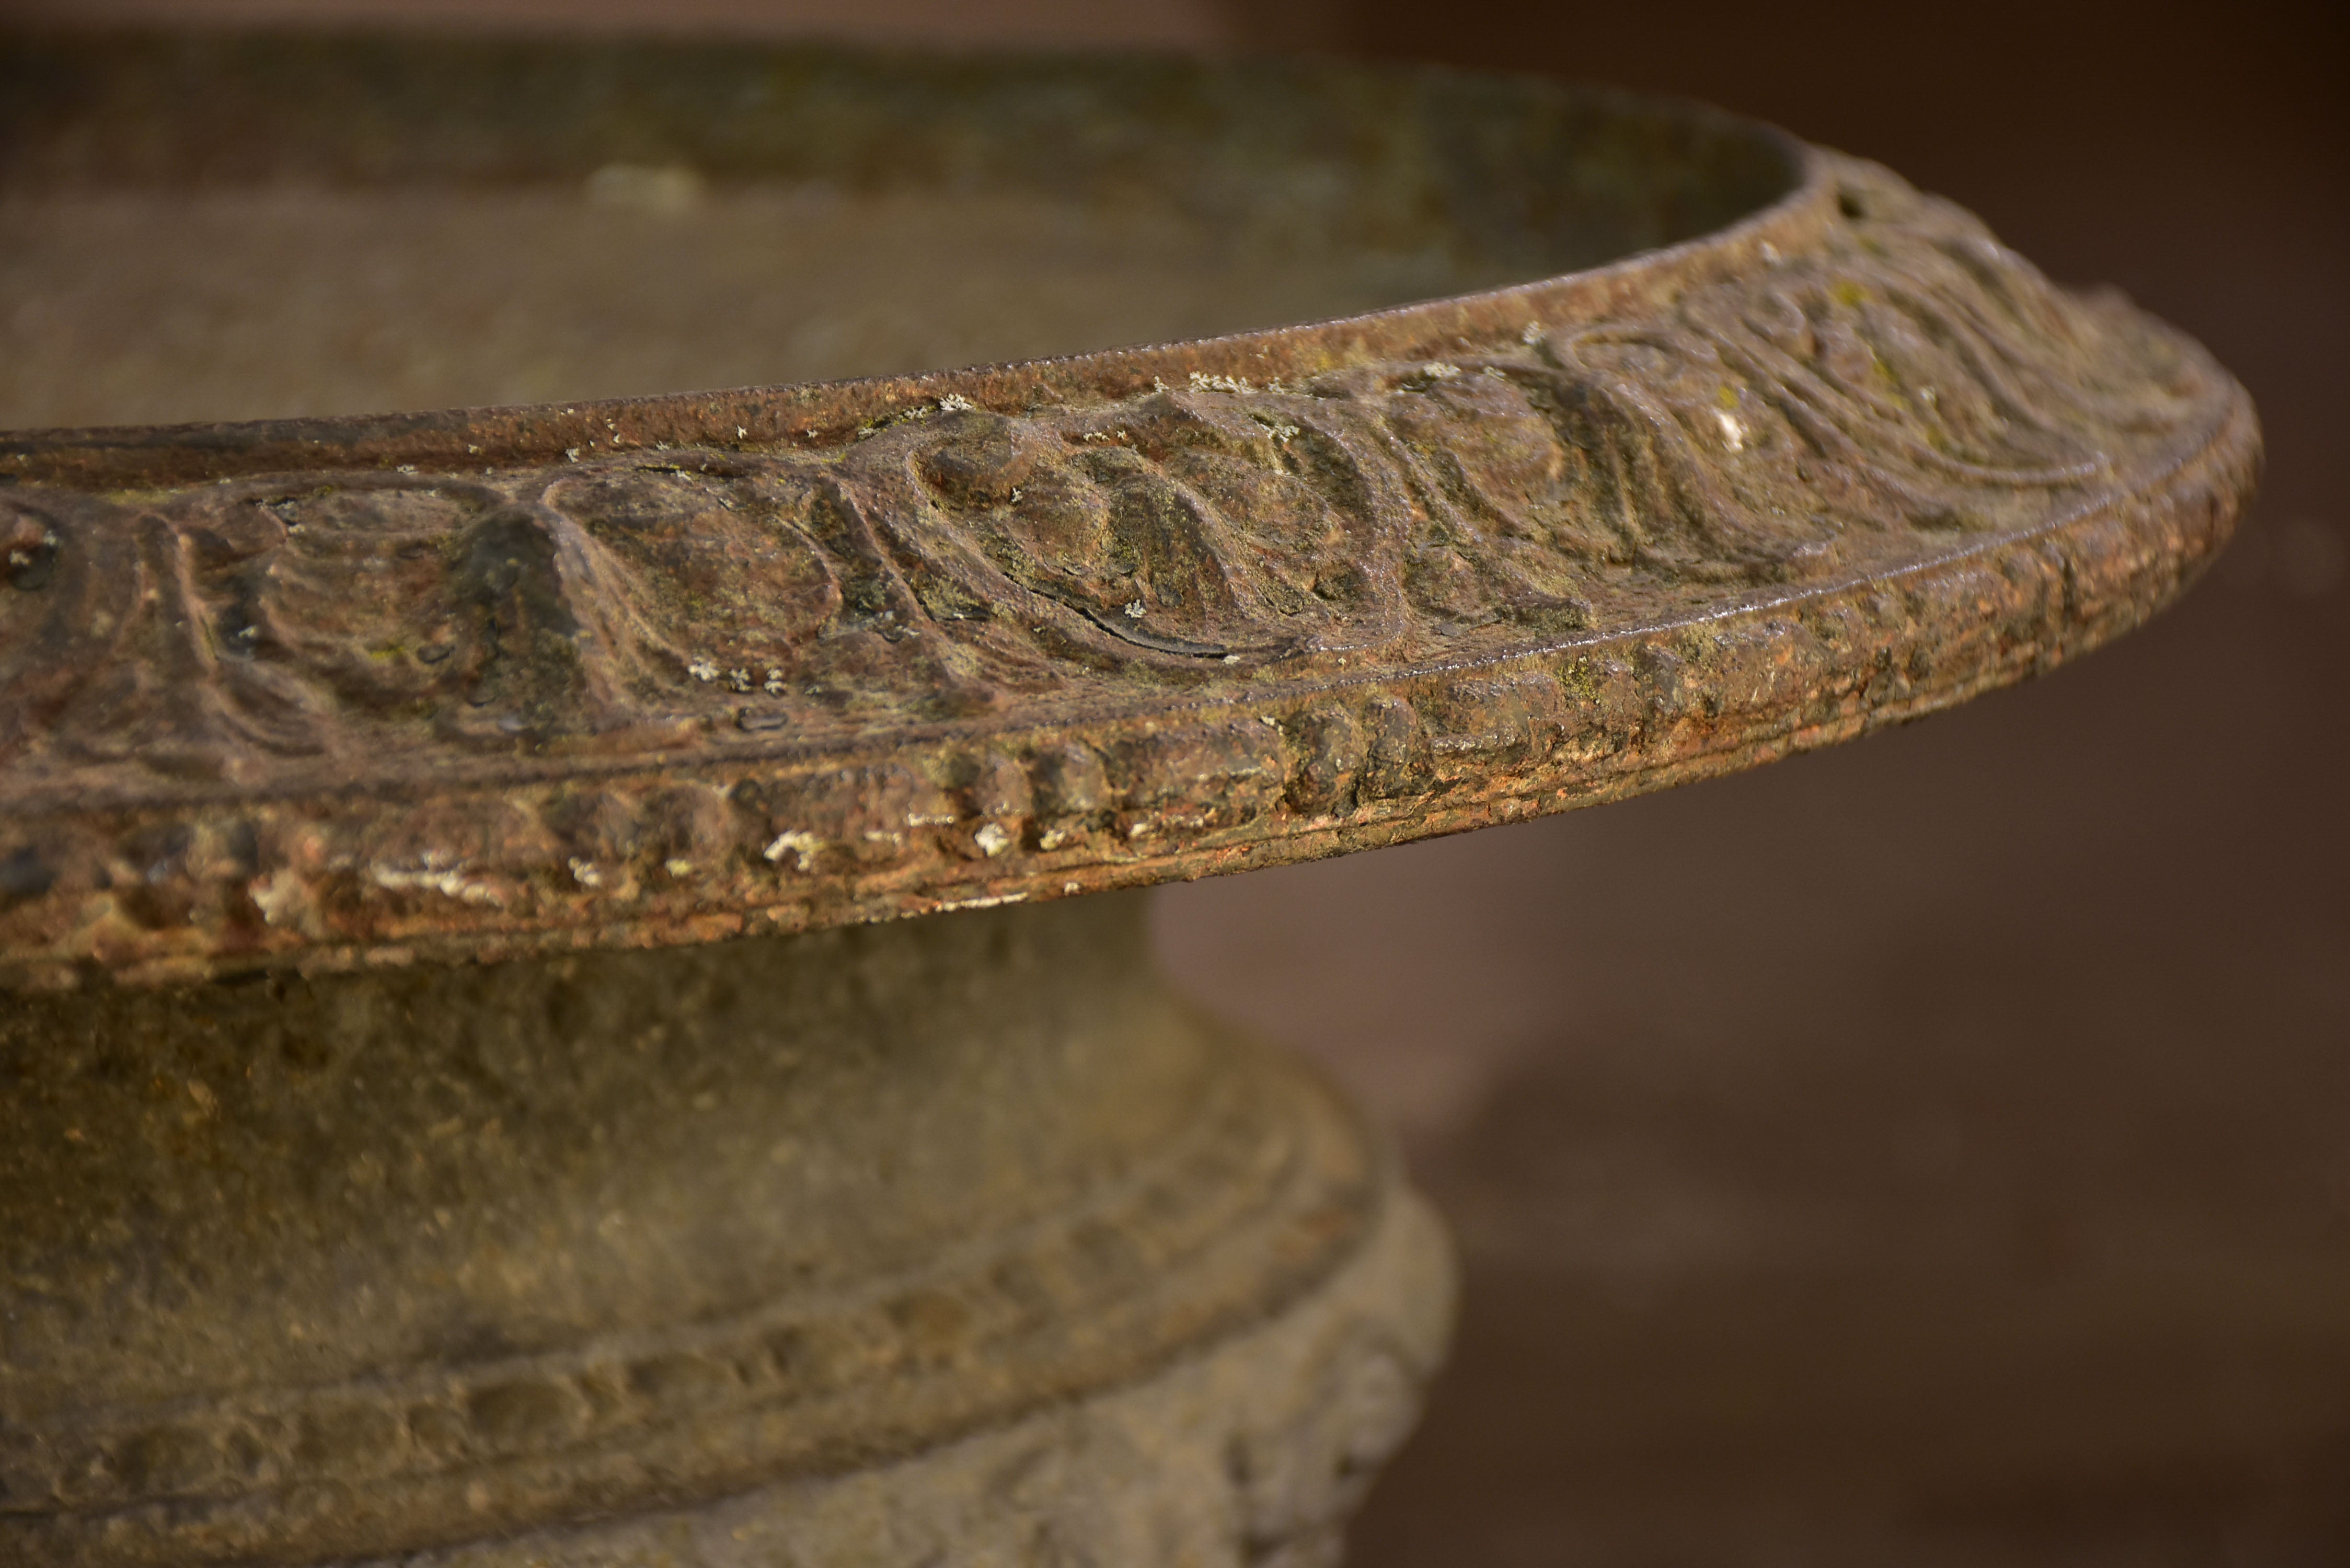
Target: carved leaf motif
(1747,432)
(66,597)
(346,588)
(720,580)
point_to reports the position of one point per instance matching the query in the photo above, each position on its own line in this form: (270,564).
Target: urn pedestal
(951,1239)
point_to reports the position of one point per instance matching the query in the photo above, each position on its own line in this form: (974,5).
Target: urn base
(946,1241)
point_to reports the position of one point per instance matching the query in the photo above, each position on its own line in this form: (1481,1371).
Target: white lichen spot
(774,684)
(1202,381)
(586,873)
(677,868)
(1231,658)
(1054,838)
(1015,495)
(280,897)
(1733,431)
(992,839)
(927,819)
(702,668)
(1532,335)
(435,874)
(738,680)
(956,403)
(1140,830)
(1134,610)
(799,844)
(1440,371)
(572,453)
(988,902)
(1068,887)
(741,431)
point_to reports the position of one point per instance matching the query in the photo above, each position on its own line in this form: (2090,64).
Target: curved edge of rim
(1809,670)
(326,873)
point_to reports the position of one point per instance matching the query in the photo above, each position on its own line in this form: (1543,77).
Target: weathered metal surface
(954,1240)
(489,682)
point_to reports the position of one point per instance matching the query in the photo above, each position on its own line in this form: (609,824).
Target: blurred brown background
(1933,1151)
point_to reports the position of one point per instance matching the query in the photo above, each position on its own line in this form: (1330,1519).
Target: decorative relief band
(980,653)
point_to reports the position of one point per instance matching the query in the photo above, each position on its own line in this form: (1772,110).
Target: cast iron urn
(574,989)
